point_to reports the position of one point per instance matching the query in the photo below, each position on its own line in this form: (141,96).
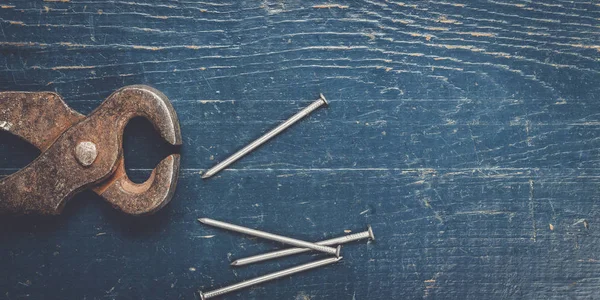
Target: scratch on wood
(452,4)
(331,6)
(406,5)
(26,283)
(72,67)
(285,175)
(527,129)
(478,34)
(589,260)
(532,210)
(585,222)
(429,284)
(484,212)
(436,214)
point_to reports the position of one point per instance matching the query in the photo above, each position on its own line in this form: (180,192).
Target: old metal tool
(79,152)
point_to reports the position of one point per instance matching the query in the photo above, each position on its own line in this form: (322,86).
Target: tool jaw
(159,110)
(150,196)
(143,198)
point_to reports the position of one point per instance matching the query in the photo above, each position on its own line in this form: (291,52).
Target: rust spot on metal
(44,120)
(37,117)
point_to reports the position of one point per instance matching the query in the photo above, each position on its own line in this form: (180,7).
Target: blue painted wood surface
(466,133)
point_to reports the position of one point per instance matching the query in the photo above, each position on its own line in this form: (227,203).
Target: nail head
(324,99)
(371,235)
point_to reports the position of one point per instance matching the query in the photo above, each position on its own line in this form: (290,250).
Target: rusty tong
(79,152)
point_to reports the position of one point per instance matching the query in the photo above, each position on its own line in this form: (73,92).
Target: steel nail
(286,252)
(267,136)
(268,277)
(270,236)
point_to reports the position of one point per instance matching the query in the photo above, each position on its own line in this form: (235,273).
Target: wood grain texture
(465,132)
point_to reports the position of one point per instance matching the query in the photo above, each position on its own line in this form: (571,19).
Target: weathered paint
(458,130)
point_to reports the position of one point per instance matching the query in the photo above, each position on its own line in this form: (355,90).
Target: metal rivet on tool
(267,136)
(368,234)
(270,236)
(86,153)
(268,277)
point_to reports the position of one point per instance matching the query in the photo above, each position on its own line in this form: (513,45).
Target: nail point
(371,235)
(234,263)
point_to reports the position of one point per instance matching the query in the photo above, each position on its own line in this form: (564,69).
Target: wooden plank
(466,133)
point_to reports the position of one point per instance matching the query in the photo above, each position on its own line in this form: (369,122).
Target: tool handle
(37,117)
(43,186)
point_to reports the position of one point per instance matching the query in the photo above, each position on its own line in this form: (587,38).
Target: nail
(368,234)
(270,236)
(268,277)
(267,136)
